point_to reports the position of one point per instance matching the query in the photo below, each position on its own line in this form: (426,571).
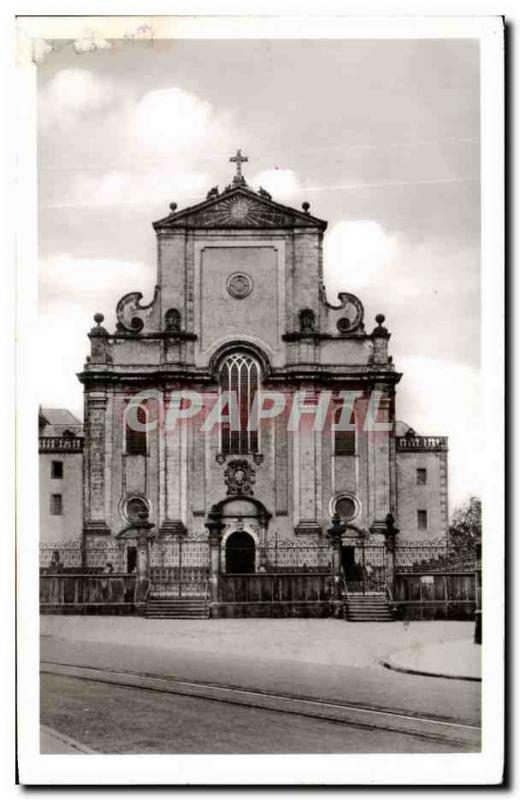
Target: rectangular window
(344,441)
(57,469)
(56,505)
(136,442)
(421,477)
(422,519)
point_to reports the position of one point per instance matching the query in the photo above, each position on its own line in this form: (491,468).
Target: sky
(381,137)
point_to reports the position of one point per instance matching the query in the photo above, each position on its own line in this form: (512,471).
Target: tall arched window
(240,374)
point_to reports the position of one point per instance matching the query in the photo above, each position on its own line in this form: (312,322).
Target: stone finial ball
(306,206)
(98,318)
(173,207)
(380,318)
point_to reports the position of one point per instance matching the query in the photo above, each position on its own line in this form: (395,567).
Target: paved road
(374,686)
(115,719)
(53,742)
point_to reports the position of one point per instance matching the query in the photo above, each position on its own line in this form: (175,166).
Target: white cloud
(355,254)
(90,285)
(420,285)
(439,397)
(72,290)
(72,95)
(424,286)
(163,142)
(281,183)
(175,122)
(158,184)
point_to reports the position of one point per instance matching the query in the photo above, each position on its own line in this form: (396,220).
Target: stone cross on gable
(238,159)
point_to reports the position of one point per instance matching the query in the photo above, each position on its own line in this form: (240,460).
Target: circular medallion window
(347,506)
(343,325)
(239,210)
(135,508)
(239,285)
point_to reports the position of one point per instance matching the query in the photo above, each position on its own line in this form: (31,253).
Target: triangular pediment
(239,207)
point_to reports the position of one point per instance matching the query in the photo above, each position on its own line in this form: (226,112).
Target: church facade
(240,388)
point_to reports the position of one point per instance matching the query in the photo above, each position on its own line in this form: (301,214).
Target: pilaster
(95,462)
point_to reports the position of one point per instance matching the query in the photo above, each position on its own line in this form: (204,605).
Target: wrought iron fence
(61,556)
(179,567)
(284,557)
(432,556)
(72,558)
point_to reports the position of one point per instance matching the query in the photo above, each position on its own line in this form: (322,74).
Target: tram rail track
(464,735)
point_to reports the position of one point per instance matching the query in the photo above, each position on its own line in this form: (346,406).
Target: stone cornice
(185,336)
(298,336)
(190,375)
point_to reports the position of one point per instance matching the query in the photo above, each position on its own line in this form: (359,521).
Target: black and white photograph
(263,326)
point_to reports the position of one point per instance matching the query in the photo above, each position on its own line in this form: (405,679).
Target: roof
(401,428)
(238,206)
(57,421)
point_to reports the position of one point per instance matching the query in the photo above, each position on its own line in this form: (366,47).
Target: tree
(466,526)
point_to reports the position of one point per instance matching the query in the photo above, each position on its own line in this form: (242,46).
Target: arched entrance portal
(240,553)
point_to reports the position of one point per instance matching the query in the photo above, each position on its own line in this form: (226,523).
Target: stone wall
(67,526)
(431,496)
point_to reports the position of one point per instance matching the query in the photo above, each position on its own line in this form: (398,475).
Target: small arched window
(239,375)
(136,442)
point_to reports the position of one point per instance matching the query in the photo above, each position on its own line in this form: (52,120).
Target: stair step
(367,605)
(167,610)
(367,599)
(171,616)
(373,600)
(179,603)
(368,608)
(172,599)
(367,602)
(176,616)
(170,606)
(176,610)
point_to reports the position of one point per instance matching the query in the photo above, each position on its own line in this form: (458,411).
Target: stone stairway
(164,607)
(368,608)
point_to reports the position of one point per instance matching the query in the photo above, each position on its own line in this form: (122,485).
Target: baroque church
(240,308)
